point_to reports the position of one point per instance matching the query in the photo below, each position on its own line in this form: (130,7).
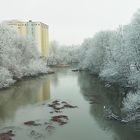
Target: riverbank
(15,80)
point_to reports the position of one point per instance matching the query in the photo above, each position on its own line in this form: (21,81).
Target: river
(28,100)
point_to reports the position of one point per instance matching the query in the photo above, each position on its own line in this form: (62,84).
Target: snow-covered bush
(6,78)
(131,102)
(35,67)
(131,106)
(18,56)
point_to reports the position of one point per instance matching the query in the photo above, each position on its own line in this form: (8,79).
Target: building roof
(13,21)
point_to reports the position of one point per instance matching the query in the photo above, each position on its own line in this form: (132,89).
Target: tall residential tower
(36,31)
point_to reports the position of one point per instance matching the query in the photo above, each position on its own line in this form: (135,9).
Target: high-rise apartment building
(36,31)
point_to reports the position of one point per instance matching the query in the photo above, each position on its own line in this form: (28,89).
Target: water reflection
(24,93)
(93,89)
(59,74)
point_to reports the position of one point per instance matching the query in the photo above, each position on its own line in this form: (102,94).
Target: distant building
(35,31)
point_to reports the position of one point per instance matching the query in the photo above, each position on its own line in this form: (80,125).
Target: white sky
(71,21)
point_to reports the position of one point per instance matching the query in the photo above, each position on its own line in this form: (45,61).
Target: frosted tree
(53,58)
(116,66)
(18,57)
(62,54)
(83,52)
(115,57)
(94,51)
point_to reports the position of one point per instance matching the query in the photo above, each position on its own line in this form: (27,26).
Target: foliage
(60,54)
(115,57)
(18,57)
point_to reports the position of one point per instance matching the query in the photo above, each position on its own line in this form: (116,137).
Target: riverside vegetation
(112,55)
(19,57)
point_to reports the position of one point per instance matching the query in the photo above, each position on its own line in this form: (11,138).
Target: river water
(28,100)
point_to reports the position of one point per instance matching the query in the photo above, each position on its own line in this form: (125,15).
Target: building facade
(36,31)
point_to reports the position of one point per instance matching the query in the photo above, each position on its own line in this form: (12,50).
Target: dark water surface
(28,100)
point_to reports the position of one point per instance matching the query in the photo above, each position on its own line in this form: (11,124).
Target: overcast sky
(71,21)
